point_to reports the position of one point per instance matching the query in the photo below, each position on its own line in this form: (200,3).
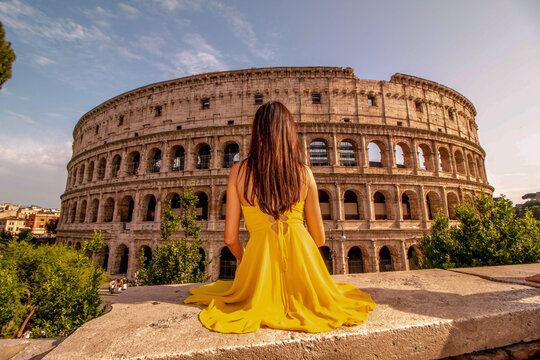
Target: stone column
(436,161)
(404,256)
(423,211)
(391,154)
(399,215)
(370,207)
(335,150)
(375,257)
(165,165)
(338,204)
(444,201)
(364,157)
(414,155)
(453,161)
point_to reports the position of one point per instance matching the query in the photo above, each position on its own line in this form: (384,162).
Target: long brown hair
(274,160)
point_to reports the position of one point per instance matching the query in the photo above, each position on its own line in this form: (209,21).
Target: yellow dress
(282,282)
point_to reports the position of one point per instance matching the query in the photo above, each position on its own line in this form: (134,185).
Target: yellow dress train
(282,282)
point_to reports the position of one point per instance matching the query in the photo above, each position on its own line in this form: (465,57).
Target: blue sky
(72,55)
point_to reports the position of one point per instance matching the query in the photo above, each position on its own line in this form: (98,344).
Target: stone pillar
(404,256)
(100,209)
(338,204)
(165,155)
(215,153)
(453,161)
(364,157)
(436,161)
(414,155)
(391,154)
(370,210)
(399,215)
(335,150)
(375,257)
(444,203)
(423,211)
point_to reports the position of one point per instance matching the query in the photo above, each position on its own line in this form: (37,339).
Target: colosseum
(385,154)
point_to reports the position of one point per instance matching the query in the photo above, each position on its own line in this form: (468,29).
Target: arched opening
(94,210)
(375,155)
(231,155)
(444,160)
(134,161)
(351,206)
(406,207)
(101,169)
(201,266)
(126,208)
(90,172)
(472,166)
(452,200)
(433,203)
(223,208)
(425,157)
(460,162)
(412,258)
(324,203)
(381,210)
(175,201)
(155,161)
(203,157)
(78,245)
(73,212)
(115,166)
(479,169)
(318,153)
(82,215)
(327,257)
(178,159)
(385,260)
(409,206)
(147,252)
(347,154)
(105,262)
(355,260)
(81,174)
(122,257)
(150,214)
(400,156)
(202,206)
(227,264)
(108,210)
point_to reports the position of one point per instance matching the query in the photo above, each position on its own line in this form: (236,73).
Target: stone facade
(385,155)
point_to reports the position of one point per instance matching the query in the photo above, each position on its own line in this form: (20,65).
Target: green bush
(489,233)
(61,286)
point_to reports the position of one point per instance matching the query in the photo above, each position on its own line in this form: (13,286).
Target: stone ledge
(422,314)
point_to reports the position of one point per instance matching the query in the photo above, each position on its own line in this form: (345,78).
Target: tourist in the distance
(281,281)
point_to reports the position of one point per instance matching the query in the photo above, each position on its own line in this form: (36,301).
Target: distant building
(12,224)
(37,222)
(8,209)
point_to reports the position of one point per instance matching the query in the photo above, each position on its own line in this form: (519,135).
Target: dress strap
(281,242)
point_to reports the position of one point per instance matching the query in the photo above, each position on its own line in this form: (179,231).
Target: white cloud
(42,60)
(129,11)
(201,58)
(172,5)
(32,153)
(25,118)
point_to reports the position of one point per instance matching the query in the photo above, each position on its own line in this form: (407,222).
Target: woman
(281,281)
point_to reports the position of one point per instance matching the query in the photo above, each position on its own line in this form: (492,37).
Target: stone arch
(326,255)
(178,158)
(425,157)
(202,206)
(412,253)
(351,206)
(115,165)
(90,172)
(460,162)
(69,243)
(472,165)
(133,163)
(231,155)
(104,257)
(433,203)
(381,204)
(147,252)
(480,173)
(403,155)
(452,200)
(150,204)
(445,163)
(78,245)
(102,163)
(81,174)
(227,264)
(355,260)
(324,203)
(376,154)
(174,199)
(318,153)
(410,206)
(121,259)
(223,207)
(108,210)
(347,153)
(154,160)
(386,262)
(204,156)
(94,211)
(73,212)
(126,208)
(82,212)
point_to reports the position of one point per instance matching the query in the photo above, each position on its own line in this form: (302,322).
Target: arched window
(412,258)
(155,161)
(231,155)
(73,212)
(203,157)
(115,166)
(355,260)
(227,264)
(478,168)
(105,261)
(375,155)
(202,267)
(223,207)
(347,155)
(452,200)
(444,160)
(400,156)
(175,201)
(318,154)
(151,209)
(134,160)
(122,258)
(405,207)
(425,157)
(385,260)
(472,165)
(126,208)
(327,257)
(380,206)
(202,206)
(108,210)
(351,206)
(178,159)
(324,202)
(94,210)
(81,174)
(409,206)
(460,162)
(433,203)
(90,172)
(82,215)
(101,169)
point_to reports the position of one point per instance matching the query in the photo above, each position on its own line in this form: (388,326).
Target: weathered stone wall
(194,128)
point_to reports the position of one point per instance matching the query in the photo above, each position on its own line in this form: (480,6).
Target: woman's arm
(232,215)
(313,211)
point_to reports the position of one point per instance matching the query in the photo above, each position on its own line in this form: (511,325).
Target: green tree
(533,206)
(25,235)
(489,233)
(49,290)
(5,237)
(7,57)
(96,244)
(176,261)
(51,226)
